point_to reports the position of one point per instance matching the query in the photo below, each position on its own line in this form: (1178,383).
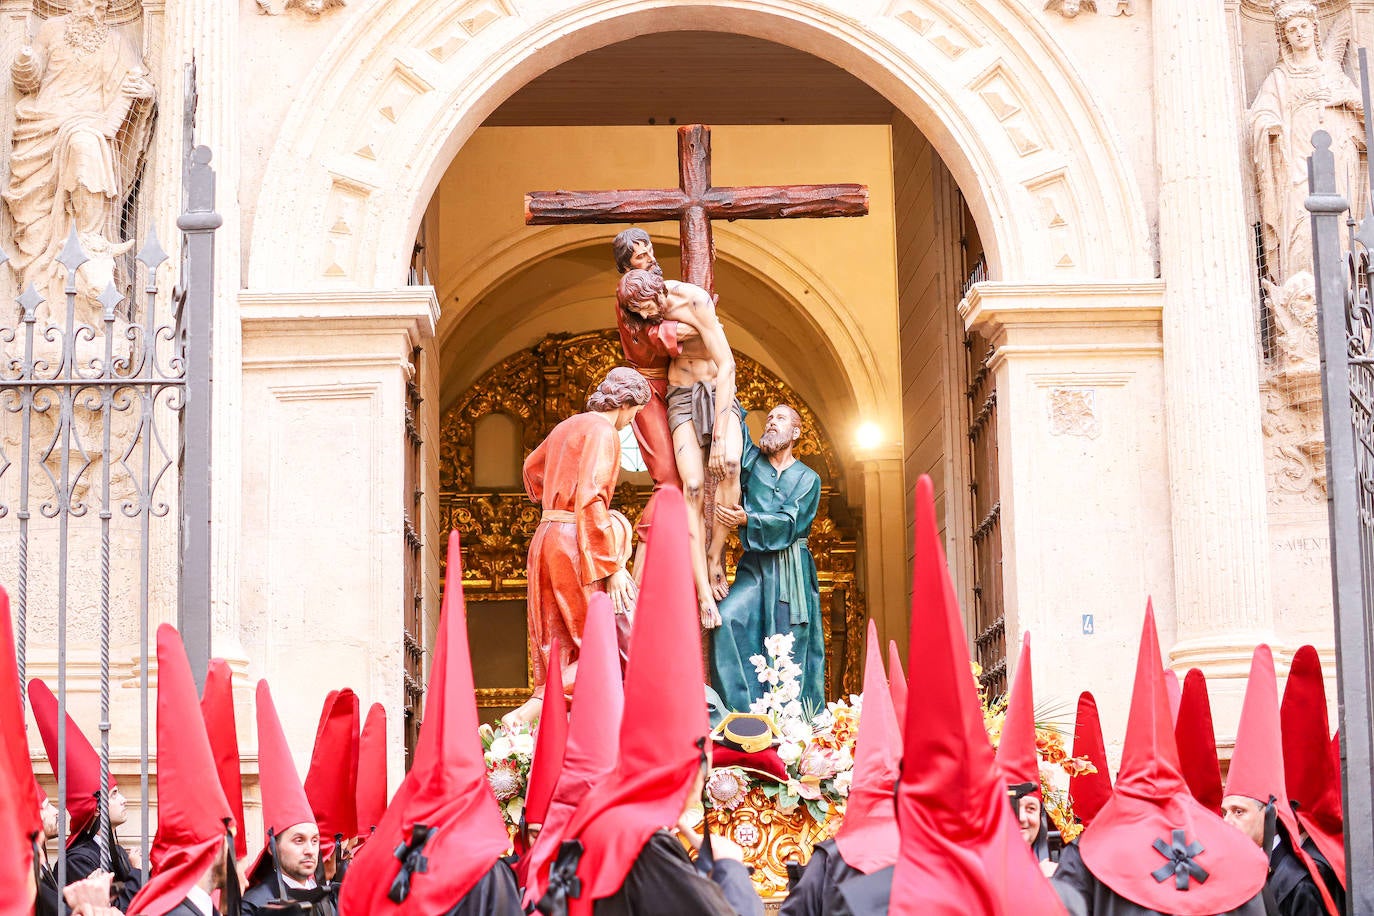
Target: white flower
(843,781)
(759,707)
(790,752)
(523,744)
(796,730)
(779,644)
(500,747)
(758,661)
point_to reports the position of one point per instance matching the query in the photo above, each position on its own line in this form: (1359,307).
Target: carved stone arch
(549,382)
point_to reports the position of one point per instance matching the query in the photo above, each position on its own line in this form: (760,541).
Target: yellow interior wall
(477,212)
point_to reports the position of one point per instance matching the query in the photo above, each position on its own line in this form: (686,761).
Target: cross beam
(694,203)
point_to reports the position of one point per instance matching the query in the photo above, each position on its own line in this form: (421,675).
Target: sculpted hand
(716,463)
(731,516)
(721,847)
(135,86)
(136,856)
(622,591)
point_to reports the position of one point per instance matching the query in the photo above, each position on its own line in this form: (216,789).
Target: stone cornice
(992,307)
(327,312)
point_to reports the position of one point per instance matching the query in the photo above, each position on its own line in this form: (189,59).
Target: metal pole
(1348,532)
(198,222)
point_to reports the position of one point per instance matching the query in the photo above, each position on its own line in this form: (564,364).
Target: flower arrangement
(508,752)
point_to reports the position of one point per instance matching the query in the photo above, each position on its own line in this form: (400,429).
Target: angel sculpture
(1306,92)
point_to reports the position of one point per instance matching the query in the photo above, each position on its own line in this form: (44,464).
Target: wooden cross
(694,203)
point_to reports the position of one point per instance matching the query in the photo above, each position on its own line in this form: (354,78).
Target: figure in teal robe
(775,588)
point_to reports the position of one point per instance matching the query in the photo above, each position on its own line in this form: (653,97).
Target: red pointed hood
(590,753)
(1197,742)
(896,681)
(331,783)
(1175,691)
(1016,751)
(1090,791)
(1257,764)
(284,803)
(217,711)
(1309,771)
(868,838)
(961,850)
(550,742)
(665,716)
(19,820)
(193,816)
(372,770)
(446,789)
(1152,802)
(83,763)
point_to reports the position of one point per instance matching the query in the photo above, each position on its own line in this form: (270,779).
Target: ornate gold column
(1211,354)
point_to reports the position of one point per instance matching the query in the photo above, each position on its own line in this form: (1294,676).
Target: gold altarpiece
(536,389)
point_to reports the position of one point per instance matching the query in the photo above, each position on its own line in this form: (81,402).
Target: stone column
(886,567)
(324,379)
(1083,477)
(1211,352)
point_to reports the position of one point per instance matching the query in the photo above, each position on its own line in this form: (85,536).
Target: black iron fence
(1343,255)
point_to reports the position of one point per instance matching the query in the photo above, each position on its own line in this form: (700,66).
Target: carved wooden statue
(83,118)
(1307,91)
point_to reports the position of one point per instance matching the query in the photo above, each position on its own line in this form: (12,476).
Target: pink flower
(727,788)
(819,762)
(505,780)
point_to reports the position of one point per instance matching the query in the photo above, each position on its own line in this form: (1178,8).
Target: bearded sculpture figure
(83,118)
(1307,91)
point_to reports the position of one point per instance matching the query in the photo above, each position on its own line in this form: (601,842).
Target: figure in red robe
(581,545)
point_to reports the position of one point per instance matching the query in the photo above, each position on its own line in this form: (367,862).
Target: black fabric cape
(663,882)
(83,858)
(263,892)
(1291,885)
(830,886)
(48,896)
(1333,884)
(496,894)
(1083,895)
(184,908)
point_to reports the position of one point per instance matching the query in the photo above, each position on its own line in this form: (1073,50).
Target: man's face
(1301,32)
(298,851)
(1246,815)
(49,815)
(1028,816)
(627,415)
(649,309)
(1072,8)
(780,431)
(643,258)
(119,807)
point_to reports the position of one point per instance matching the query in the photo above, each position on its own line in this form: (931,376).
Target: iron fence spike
(72,255)
(29,301)
(151,254)
(110,297)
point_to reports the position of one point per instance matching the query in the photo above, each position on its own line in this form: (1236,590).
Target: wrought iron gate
(1345,322)
(104,430)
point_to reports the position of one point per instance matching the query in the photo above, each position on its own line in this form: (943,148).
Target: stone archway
(406,83)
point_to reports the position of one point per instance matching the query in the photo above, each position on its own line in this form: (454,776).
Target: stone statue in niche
(1070,9)
(81,126)
(1294,436)
(1307,91)
(309,7)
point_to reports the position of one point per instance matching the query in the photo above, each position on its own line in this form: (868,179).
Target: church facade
(1077,302)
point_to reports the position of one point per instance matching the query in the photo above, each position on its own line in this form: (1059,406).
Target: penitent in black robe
(1291,886)
(1083,895)
(496,894)
(830,886)
(663,882)
(83,859)
(1333,884)
(260,896)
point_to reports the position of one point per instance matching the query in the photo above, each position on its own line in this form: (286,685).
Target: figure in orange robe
(581,545)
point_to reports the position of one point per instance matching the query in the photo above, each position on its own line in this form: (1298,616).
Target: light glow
(868,436)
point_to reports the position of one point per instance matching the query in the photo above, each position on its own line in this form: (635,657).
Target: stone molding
(982,108)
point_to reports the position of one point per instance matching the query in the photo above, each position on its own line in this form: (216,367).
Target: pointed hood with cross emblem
(1153,843)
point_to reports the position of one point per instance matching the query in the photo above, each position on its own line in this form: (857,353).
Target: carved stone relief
(938,27)
(82,126)
(1294,437)
(1003,98)
(312,8)
(1070,9)
(1057,206)
(466,21)
(1073,412)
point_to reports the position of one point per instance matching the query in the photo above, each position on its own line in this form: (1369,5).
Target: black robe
(830,886)
(263,892)
(47,902)
(1333,884)
(664,882)
(83,859)
(496,894)
(1083,895)
(1291,885)
(185,908)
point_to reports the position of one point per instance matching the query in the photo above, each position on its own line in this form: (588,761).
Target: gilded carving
(770,839)
(548,382)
